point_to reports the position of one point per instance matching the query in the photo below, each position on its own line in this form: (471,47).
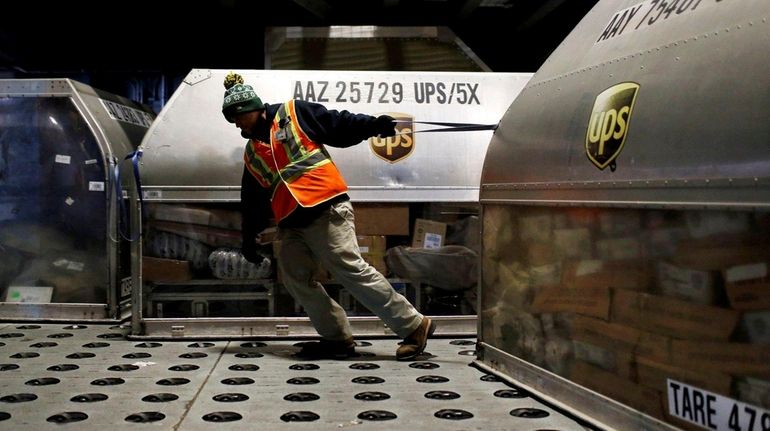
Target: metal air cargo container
(625,222)
(63,254)
(191,174)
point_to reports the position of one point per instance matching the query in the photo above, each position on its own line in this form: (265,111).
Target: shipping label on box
(428,234)
(688,284)
(672,317)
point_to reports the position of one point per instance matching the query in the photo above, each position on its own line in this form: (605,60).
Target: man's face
(247,120)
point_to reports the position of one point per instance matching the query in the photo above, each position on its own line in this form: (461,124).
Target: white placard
(90,162)
(713,411)
(63,159)
(127,114)
(585,267)
(96,186)
(432,240)
(69,201)
(746,272)
(34,294)
(363,249)
(75,266)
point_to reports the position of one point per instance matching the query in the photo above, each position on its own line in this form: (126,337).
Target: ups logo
(395,148)
(608,125)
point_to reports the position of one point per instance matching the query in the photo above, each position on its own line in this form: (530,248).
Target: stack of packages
(621,300)
(186,242)
(44,263)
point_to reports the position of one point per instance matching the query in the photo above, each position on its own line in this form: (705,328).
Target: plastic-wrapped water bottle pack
(229,264)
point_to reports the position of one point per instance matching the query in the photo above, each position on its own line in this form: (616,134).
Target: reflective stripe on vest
(256,165)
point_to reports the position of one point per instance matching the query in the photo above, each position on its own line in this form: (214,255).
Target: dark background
(142,49)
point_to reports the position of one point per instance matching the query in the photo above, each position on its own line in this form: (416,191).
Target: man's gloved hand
(385,126)
(254,252)
(249,251)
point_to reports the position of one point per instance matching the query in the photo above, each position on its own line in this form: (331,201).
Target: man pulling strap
(289,175)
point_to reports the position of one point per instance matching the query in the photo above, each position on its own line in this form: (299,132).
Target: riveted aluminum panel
(193,154)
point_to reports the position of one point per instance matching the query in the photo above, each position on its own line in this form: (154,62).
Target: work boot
(327,349)
(415,343)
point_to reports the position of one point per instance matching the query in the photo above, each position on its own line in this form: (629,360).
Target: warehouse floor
(60,376)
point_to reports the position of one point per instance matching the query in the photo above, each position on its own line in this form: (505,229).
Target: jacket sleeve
(255,207)
(334,128)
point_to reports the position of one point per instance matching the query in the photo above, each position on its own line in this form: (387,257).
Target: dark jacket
(327,127)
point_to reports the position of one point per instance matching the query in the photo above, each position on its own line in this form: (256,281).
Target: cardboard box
(731,358)
(372,249)
(672,317)
(428,234)
(749,296)
(617,362)
(624,274)
(220,218)
(212,236)
(753,391)
(654,374)
(604,334)
(654,346)
(748,286)
(755,326)
(381,218)
(640,397)
(690,285)
(592,301)
(165,270)
(538,254)
(619,248)
(717,256)
(535,228)
(573,243)
(620,222)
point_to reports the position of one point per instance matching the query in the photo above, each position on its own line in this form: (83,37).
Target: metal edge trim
(581,402)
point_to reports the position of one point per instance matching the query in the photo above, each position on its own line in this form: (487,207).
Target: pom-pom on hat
(239,97)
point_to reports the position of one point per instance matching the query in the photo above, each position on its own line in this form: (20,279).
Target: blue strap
(135,157)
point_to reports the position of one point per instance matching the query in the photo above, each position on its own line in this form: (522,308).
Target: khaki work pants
(331,241)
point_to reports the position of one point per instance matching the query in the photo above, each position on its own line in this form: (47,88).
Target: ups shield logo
(395,148)
(608,125)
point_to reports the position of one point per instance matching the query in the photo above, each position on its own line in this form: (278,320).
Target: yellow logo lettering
(608,124)
(395,148)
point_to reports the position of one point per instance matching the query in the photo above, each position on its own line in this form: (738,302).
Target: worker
(289,175)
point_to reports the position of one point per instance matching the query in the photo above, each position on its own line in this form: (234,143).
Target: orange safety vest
(297,170)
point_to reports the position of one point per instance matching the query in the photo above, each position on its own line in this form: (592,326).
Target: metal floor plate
(59,376)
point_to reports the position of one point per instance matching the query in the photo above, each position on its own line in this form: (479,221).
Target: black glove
(254,252)
(385,125)
(249,251)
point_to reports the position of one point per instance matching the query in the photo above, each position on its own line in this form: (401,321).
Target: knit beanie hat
(239,97)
